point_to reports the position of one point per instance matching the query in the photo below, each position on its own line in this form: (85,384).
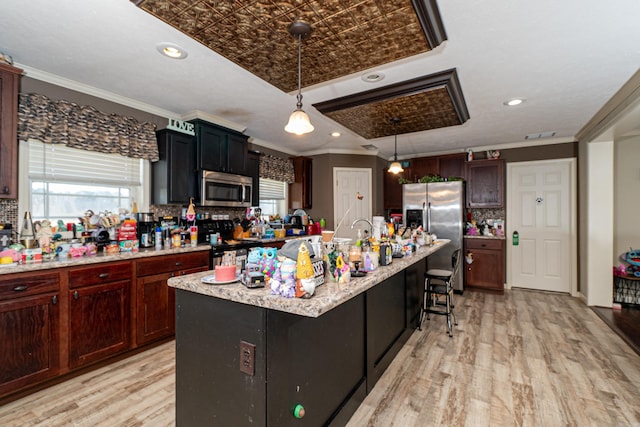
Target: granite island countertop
(100,257)
(326,296)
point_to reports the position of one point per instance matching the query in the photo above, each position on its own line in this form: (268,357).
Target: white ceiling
(565,57)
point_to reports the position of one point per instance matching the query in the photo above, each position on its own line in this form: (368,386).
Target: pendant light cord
(299,97)
(395,145)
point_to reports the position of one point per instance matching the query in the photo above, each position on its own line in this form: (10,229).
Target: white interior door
(541,208)
(347,184)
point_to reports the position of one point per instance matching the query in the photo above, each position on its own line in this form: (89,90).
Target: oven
(224,228)
(223,189)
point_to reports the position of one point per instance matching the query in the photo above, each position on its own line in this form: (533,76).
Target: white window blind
(63,182)
(58,163)
(271,189)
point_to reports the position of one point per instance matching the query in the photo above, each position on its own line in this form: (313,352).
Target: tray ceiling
(348,36)
(425,103)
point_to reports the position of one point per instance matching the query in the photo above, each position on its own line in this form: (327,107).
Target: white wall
(596,222)
(626,197)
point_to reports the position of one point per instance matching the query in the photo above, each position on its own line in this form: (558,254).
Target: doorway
(541,208)
(347,206)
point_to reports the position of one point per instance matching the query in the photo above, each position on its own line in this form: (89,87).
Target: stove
(225,227)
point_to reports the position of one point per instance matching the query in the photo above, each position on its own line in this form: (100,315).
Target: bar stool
(439,283)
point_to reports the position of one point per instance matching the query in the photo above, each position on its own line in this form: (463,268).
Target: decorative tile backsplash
(9,212)
(176,210)
(484,214)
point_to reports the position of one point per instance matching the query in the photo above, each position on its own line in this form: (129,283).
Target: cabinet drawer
(496,244)
(16,286)
(169,263)
(102,273)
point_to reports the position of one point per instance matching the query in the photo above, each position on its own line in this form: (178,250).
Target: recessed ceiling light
(513,102)
(172,50)
(372,77)
(335,134)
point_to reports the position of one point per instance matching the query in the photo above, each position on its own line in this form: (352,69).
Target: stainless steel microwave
(224,189)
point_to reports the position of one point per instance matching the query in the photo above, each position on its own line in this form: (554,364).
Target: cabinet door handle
(21,288)
(178,264)
(103,275)
(76,295)
(54,300)
(5,189)
(172,275)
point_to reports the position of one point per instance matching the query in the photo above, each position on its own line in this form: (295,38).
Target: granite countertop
(326,297)
(101,257)
(466,236)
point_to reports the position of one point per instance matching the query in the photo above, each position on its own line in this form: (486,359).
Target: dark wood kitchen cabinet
(452,166)
(99,312)
(29,327)
(220,149)
(485,183)
(9,82)
(174,177)
(422,166)
(446,166)
(300,190)
(487,271)
(156,307)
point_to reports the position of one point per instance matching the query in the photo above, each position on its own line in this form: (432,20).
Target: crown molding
(620,104)
(44,76)
(212,118)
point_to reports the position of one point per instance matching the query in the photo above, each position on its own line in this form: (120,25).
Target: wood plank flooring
(625,322)
(520,359)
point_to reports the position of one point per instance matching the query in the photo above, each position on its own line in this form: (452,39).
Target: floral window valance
(84,127)
(277,168)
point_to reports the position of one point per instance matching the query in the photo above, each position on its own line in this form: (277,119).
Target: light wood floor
(525,358)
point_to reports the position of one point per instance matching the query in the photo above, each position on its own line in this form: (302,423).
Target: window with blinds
(65,182)
(273,197)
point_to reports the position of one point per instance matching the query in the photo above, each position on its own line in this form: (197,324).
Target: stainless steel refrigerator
(439,208)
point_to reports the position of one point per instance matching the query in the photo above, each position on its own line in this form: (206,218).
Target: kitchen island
(246,357)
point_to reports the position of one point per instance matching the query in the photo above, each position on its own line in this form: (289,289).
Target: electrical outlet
(247,358)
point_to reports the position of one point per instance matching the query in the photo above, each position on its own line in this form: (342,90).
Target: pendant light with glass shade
(299,122)
(395,167)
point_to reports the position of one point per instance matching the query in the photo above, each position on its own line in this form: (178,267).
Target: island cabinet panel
(155,306)
(386,322)
(210,388)
(414,282)
(99,312)
(327,363)
(318,363)
(29,327)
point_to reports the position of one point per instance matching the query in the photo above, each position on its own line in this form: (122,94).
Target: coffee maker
(146,228)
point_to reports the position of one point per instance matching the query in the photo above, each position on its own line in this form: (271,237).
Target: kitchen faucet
(357,220)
